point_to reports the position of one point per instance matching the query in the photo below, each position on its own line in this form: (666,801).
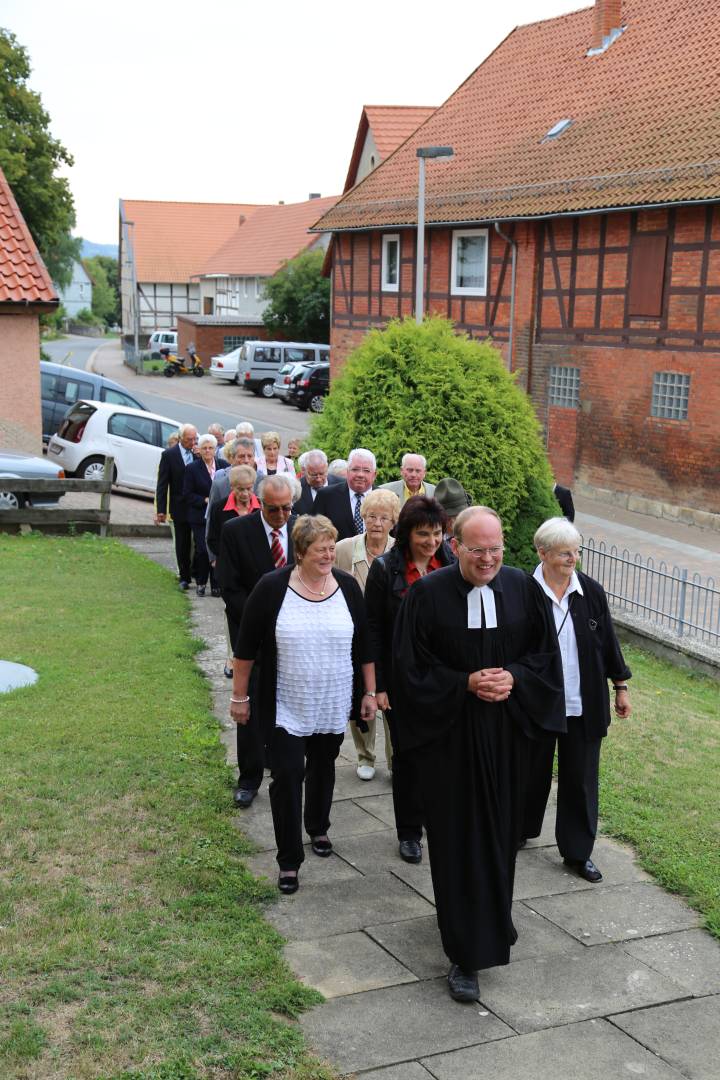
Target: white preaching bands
(481,598)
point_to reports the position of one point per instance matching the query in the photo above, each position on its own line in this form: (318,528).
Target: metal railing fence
(683,604)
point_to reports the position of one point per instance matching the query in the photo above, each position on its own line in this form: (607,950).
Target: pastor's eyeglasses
(480,553)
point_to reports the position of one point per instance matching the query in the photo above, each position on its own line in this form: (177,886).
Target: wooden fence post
(105,497)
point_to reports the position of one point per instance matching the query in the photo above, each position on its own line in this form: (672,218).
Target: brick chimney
(606,18)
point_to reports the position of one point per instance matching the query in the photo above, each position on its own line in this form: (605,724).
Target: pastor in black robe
(472,755)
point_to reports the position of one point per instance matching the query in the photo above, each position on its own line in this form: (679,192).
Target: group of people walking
(390,607)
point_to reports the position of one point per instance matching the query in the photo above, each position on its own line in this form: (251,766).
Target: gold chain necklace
(313,591)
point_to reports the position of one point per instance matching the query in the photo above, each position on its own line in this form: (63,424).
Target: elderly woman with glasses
(590,655)
(355,555)
(306,624)
(419,549)
(197,482)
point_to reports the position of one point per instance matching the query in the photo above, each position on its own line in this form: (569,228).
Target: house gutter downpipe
(513,245)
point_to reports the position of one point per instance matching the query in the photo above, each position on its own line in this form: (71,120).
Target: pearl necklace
(313,591)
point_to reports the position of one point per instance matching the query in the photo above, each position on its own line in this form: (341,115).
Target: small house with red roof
(577,225)
(26,291)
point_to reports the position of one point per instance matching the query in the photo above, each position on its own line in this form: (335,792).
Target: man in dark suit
(342,502)
(251,546)
(314,465)
(565,499)
(169,498)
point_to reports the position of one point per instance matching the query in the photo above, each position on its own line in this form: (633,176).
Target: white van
(260,361)
(162,339)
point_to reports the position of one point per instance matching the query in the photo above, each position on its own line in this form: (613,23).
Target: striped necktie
(357,516)
(276,550)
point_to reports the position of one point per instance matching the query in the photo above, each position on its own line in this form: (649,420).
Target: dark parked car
(62,386)
(18,466)
(309,388)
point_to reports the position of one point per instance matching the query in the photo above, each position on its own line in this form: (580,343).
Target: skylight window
(557,129)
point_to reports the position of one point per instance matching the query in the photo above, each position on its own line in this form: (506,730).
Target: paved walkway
(606,981)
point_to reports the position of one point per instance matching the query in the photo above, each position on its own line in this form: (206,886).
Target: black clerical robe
(473,755)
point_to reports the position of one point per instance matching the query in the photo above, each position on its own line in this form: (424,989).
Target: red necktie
(276,550)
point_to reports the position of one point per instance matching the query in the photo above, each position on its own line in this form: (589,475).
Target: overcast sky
(231,101)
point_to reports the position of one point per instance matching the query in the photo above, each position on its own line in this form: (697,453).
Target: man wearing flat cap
(453,498)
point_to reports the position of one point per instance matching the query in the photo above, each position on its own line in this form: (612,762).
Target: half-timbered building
(577,225)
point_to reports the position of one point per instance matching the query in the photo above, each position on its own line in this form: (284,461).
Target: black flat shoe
(463,985)
(228,672)
(215,592)
(410,851)
(184,586)
(288,884)
(586,869)
(323,848)
(200,590)
(243,797)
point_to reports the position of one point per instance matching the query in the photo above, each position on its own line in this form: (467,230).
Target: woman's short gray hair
(556,532)
(207,440)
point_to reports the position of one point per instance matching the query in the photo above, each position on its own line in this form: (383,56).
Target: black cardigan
(385,590)
(599,653)
(256,638)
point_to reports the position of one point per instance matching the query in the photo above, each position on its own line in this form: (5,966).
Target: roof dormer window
(556,130)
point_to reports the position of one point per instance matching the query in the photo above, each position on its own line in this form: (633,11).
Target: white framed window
(390,276)
(469,262)
(259,288)
(245,287)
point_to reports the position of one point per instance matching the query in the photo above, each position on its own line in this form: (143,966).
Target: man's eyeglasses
(286,508)
(480,553)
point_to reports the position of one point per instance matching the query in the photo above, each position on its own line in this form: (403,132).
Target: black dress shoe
(215,592)
(323,848)
(243,797)
(411,851)
(463,985)
(586,869)
(288,884)
(200,590)
(184,586)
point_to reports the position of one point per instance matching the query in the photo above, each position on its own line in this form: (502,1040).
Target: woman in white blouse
(306,624)
(271,461)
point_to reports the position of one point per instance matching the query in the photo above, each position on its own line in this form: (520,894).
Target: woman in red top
(419,549)
(241,500)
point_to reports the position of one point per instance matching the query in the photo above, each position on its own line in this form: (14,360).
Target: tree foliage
(103,273)
(427,389)
(299,299)
(30,158)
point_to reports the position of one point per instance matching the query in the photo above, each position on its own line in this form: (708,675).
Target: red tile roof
(390,126)
(271,236)
(171,240)
(645,125)
(23,276)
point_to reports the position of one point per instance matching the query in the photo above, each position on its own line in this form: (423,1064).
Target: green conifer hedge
(429,390)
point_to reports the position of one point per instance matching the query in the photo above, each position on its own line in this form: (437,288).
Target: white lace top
(314,665)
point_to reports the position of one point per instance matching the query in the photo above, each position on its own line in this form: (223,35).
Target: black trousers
(202,560)
(250,743)
(292,760)
(183,549)
(406,790)
(577,794)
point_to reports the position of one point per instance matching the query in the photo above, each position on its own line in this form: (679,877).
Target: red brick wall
(208,340)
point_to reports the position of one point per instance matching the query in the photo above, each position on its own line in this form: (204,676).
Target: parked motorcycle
(175,366)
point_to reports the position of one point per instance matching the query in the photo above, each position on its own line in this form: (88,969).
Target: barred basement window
(232,341)
(670,395)
(565,387)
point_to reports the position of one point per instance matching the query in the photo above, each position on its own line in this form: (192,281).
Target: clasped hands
(490,684)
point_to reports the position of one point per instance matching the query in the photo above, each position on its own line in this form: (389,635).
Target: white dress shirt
(283,535)
(566,639)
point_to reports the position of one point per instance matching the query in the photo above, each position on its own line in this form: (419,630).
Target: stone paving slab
(690,958)
(345,964)
(378,852)
(381,806)
(346,817)
(349,786)
(561,988)
(314,871)
(319,911)
(685,1035)
(617,913)
(386,1027)
(592,1050)
(541,871)
(538,936)
(410,1070)
(417,877)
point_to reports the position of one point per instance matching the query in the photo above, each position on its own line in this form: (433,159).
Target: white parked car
(94,430)
(162,339)
(225,366)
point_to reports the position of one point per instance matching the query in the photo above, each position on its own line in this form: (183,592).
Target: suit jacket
(196,490)
(334,502)
(305,504)
(244,557)
(398,487)
(169,496)
(564,497)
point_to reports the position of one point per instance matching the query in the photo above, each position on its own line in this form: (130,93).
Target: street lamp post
(424,152)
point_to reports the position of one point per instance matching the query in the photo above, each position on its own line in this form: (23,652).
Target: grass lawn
(660,780)
(132,942)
